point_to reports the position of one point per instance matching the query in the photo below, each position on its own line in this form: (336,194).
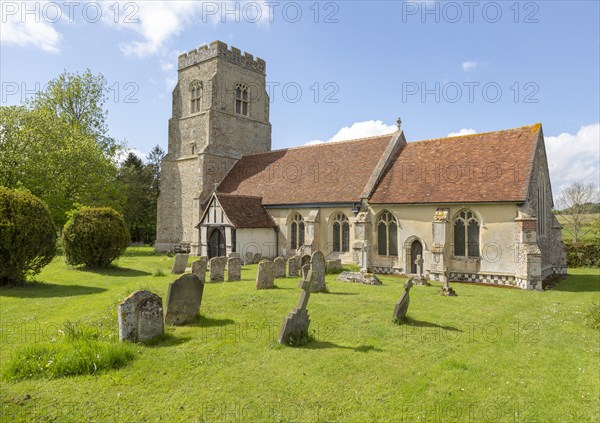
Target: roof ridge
(538,124)
(238,195)
(298,147)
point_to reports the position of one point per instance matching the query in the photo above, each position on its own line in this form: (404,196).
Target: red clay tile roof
(487,167)
(333,172)
(245,211)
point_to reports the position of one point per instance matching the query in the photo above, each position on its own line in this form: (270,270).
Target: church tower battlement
(220,112)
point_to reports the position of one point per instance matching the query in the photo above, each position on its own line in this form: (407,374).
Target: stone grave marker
(279,267)
(293,265)
(257,258)
(294,330)
(304,260)
(199,268)
(317,265)
(184,298)
(334,265)
(234,269)
(180,263)
(265,277)
(217,269)
(402,304)
(140,317)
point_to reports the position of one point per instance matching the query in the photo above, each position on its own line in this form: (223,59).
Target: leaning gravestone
(217,269)
(294,330)
(257,258)
(279,267)
(265,277)
(184,299)
(317,265)
(293,265)
(304,260)
(305,270)
(234,269)
(140,317)
(402,304)
(199,268)
(180,263)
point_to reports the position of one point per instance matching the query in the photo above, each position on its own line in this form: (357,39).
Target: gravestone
(265,277)
(419,279)
(359,277)
(293,265)
(234,269)
(317,265)
(180,263)
(249,258)
(234,255)
(402,304)
(447,290)
(257,258)
(199,268)
(140,317)
(217,269)
(304,260)
(334,265)
(294,330)
(305,270)
(279,267)
(184,299)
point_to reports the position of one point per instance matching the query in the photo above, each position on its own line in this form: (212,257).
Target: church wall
(256,240)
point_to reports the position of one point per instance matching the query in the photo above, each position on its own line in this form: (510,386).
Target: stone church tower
(220,113)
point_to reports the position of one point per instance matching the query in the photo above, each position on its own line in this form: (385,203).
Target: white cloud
(369,128)
(469,65)
(31,29)
(123,154)
(464,131)
(572,157)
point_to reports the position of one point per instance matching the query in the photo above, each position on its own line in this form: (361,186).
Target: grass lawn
(490,354)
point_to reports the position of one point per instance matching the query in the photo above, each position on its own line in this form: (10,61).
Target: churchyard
(490,354)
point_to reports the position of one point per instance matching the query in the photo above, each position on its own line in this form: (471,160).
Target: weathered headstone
(279,267)
(293,266)
(199,268)
(217,269)
(419,279)
(402,304)
(234,269)
(305,270)
(447,290)
(334,265)
(233,255)
(304,260)
(180,263)
(249,258)
(265,277)
(294,330)
(317,265)
(359,277)
(184,299)
(257,258)
(140,317)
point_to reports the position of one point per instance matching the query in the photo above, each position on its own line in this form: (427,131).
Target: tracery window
(466,234)
(387,235)
(341,234)
(241,99)
(297,232)
(195,97)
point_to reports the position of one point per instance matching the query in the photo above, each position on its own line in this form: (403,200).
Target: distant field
(489,355)
(586,233)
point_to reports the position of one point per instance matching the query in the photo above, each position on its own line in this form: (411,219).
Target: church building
(476,208)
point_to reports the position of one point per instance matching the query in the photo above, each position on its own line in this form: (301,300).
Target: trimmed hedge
(27,236)
(94,236)
(583,254)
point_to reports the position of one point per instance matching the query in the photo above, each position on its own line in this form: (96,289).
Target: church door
(216,243)
(415,249)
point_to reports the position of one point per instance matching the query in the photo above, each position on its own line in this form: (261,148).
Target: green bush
(583,254)
(27,236)
(94,236)
(593,315)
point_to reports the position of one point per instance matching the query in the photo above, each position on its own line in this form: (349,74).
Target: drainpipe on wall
(276,241)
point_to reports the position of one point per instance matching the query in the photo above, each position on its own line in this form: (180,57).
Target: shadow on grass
(48,290)
(166,340)
(340,293)
(114,271)
(578,283)
(206,322)
(322,345)
(408,321)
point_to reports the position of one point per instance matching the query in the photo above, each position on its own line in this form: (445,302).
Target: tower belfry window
(241,99)
(195,97)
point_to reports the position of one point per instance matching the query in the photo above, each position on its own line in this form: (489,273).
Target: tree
(573,204)
(27,236)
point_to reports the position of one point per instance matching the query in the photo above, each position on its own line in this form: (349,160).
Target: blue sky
(443,67)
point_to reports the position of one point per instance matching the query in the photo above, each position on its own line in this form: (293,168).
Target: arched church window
(387,235)
(466,234)
(195,97)
(241,99)
(297,232)
(341,233)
